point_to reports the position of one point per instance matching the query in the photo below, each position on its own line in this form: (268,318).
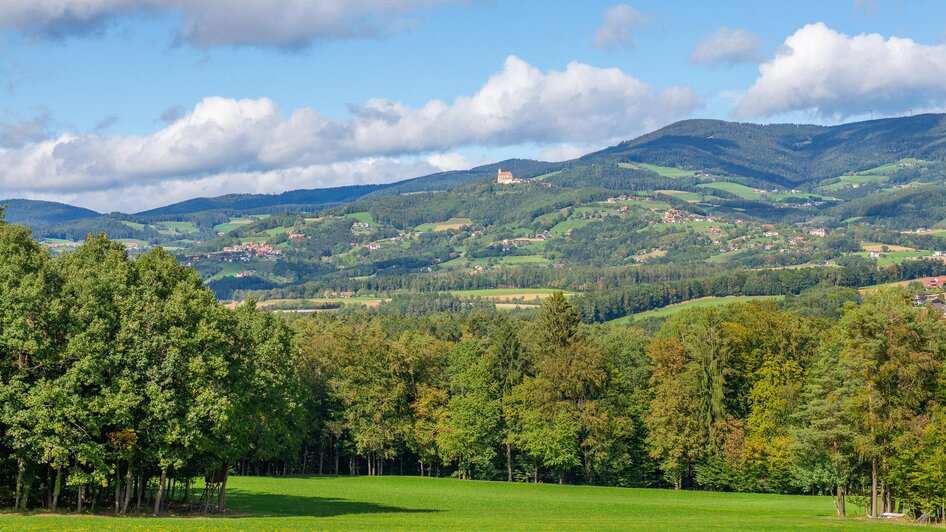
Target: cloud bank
(832,75)
(226,144)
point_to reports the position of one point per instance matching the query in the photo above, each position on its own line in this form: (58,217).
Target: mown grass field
(449,225)
(663,171)
(670,310)
(506,293)
(411,503)
(741,191)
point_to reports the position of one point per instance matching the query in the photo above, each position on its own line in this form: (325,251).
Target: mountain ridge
(787,155)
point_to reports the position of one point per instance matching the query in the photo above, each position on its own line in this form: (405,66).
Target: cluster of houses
(253,249)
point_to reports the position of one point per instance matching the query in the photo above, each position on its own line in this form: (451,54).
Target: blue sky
(129,104)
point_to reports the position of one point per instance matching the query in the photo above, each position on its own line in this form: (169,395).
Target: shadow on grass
(255,504)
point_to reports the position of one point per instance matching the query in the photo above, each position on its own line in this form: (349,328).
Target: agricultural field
(449,225)
(662,171)
(363,217)
(315,301)
(399,503)
(179,227)
(895,257)
(232,224)
(507,294)
(562,228)
(681,194)
(741,191)
(670,310)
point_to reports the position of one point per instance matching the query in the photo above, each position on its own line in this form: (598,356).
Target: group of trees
(122,381)
(743,398)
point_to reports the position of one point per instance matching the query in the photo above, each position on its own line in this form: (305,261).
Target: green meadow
(413,503)
(670,310)
(741,191)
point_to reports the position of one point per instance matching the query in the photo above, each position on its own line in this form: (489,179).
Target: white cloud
(139,196)
(207,23)
(726,46)
(253,138)
(615,32)
(566,152)
(832,75)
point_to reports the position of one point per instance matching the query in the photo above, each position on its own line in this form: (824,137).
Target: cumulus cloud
(829,74)
(254,137)
(615,32)
(138,196)
(727,47)
(208,23)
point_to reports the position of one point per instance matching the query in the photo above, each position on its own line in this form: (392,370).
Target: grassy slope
(363,503)
(670,310)
(742,191)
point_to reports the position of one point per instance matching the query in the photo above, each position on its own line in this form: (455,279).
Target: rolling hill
(774,155)
(35,212)
(783,154)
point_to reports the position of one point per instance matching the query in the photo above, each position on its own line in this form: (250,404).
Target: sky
(133,104)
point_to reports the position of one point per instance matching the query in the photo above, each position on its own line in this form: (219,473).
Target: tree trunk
(118,487)
(142,487)
(56,487)
(840,501)
(79,499)
(128,479)
(160,494)
(222,497)
(873,487)
(20,472)
(508,463)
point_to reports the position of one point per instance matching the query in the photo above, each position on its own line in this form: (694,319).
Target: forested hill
(783,154)
(34,212)
(306,199)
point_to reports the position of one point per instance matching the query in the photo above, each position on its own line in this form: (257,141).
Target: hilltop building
(505,178)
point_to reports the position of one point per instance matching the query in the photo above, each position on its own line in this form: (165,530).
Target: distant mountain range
(786,155)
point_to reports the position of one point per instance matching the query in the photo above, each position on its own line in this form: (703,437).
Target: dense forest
(124,383)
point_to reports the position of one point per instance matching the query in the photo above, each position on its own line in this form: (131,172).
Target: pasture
(507,294)
(670,310)
(736,189)
(449,225)
(662,171)
(413,503)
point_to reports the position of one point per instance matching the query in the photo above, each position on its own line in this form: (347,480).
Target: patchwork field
(412,503)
